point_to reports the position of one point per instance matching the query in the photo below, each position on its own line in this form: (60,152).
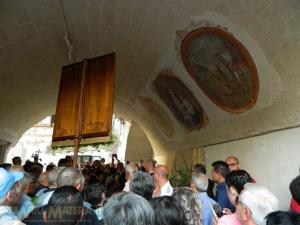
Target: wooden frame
(222,67)
(180,100)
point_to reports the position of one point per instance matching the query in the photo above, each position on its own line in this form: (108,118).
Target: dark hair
(238,179)
(295,189)
(64,206)
(221,167)
(17,160)
(142,184)
(168,211)
(282,218)
(50,167)
(5,166)
(93,194)
(199,168)
(62,162)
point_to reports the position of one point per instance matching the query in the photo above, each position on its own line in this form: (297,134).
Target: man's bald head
(162,170)
(233,163)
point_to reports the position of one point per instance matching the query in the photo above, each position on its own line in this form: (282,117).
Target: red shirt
(294,206)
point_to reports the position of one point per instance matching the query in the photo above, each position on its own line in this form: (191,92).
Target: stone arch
(138,146)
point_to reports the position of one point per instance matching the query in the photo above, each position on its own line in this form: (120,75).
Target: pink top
(229,220)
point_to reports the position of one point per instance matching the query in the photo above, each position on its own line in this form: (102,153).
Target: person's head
(142,184)
(17,161)
(9,192)
(233,163)
(120,167)
(94,194)
(43,179)
(35,170)
(70,177)
(52,176)
(25,184)
(49,167)
(235,182)
(127,208)
(282,218)
(65,207)
(295,189)
(198,169)
(161,175)
(102,161)
(190,205)
(62,162)
(254,203)
(129,170)
(220,170)
(199,182)
(69,161)
(149,165)
(168,211)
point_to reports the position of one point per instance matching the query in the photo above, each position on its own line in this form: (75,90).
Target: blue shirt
(206,210)
(26,206)
(7,216)
(222,197)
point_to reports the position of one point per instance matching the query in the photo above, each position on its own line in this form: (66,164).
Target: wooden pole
(76,148)
(80,112)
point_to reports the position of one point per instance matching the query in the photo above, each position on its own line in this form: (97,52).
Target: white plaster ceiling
(142,33)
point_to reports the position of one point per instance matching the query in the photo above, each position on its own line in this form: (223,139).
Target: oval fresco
(159,116)
(180,101)
(222,67)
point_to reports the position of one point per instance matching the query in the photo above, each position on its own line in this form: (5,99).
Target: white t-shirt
(166,189)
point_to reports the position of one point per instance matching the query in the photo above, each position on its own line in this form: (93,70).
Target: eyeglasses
(232,164)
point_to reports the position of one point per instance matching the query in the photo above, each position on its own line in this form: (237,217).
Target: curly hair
(191,206)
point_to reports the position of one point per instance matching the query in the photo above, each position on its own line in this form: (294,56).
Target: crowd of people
(137,193)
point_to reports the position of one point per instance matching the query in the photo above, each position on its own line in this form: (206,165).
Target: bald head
(233,163)
(161,174)
(162,170)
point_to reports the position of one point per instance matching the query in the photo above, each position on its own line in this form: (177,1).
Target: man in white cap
(9,196)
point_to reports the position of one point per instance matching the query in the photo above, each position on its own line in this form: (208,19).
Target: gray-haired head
(259,200)
(70,177)
(200,182)
(52,176)
(142,183)
(127,209)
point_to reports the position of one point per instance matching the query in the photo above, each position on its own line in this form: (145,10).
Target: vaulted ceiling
(144,35)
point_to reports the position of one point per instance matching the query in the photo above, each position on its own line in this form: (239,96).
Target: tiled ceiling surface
(33,49)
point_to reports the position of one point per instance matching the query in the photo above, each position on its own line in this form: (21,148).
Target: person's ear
(245,215)
(81,214)
(233,191)
(78,187)
(10,195)
(45,216)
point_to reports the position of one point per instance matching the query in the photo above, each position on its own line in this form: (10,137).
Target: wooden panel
(68,103)
(98,100)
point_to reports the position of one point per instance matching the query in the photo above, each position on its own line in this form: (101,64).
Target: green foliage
(110,146)
(180,178)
